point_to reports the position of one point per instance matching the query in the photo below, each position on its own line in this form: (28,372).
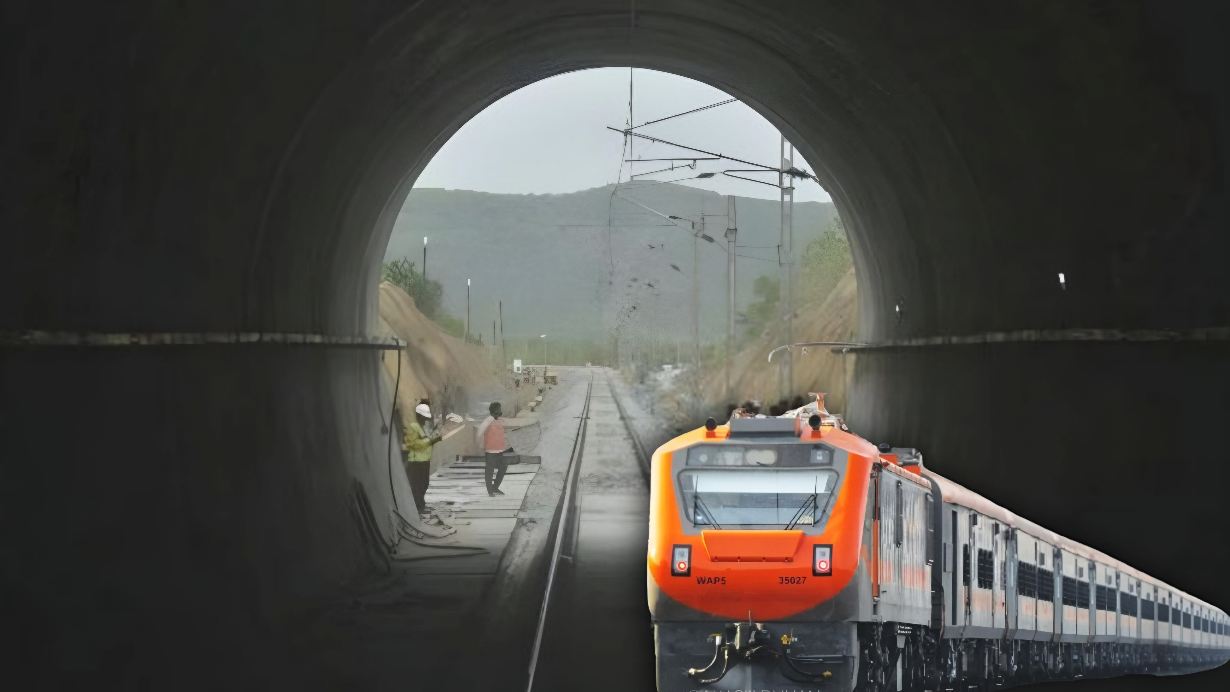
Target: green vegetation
(825,260)
(451,325)
(427,294)
(764,309)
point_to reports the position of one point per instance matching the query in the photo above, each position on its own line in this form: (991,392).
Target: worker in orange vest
(492,441)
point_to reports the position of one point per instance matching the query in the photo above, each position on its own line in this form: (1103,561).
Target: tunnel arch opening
(587,233)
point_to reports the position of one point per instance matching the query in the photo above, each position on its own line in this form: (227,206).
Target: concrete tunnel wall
(219,168)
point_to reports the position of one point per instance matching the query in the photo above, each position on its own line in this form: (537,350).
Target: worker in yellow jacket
(416,444)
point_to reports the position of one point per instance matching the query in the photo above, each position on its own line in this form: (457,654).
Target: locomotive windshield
(784,497)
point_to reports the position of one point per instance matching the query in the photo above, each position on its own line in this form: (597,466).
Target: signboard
(517,365)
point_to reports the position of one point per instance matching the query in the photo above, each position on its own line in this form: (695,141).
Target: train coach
(789,554)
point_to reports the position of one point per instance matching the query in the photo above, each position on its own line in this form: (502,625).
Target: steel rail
(565,512)
(641,453)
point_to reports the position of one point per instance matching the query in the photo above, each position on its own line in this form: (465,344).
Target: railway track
(593,606)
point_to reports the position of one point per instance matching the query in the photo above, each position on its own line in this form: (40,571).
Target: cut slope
(453,374)
(833,319)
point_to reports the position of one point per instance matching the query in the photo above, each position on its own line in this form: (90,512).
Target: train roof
(957,494)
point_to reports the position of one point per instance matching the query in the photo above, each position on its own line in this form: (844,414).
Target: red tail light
(822,560)
(681,560)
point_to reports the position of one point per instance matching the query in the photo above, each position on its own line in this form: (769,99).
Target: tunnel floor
(431,620)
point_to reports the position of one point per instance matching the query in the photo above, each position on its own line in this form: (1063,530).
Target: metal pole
(786,261)
(696,293)
(503,345)
(424,260)
(467,337)
(731,231)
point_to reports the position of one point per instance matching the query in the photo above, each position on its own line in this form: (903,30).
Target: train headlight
(822,560)
(681,561)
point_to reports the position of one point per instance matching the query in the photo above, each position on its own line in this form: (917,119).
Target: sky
(551,137)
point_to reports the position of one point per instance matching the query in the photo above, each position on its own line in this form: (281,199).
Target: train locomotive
(790,554)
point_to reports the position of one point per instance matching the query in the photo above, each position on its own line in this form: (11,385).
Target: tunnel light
(681,561)
(822,560)
(1063,282)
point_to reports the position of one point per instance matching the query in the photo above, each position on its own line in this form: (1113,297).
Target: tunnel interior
(224,169)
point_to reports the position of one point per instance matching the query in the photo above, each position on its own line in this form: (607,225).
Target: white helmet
(423,410)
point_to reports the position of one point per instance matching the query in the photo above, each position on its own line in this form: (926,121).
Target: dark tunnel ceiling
(970,171)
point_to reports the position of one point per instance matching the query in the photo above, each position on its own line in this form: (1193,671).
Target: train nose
(751,546)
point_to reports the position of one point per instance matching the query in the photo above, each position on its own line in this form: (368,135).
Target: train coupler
(745,642)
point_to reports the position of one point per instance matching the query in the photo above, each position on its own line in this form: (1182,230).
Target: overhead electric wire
(677,115)
(677,158)
(762,259)
(662,170)
(751,180)
(630,133)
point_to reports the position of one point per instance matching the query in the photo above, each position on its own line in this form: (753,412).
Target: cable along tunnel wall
(219,169)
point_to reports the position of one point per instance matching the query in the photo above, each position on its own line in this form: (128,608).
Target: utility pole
(696,293)
(467,337)
(731,231)
(786,184)
(503,346)
(424,260)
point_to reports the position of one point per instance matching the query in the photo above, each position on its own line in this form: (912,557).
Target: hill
(558,269)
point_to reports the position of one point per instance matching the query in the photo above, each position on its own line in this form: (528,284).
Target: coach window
(899,526)
(965,564)
(1026,579)
(1069,591)
(986,569)
(1046,584)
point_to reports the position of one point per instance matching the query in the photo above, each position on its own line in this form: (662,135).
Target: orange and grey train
(789,553)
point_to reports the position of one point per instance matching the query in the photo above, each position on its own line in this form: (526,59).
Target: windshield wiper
(825,508)
(798,515)
(812,499)
(696,501)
